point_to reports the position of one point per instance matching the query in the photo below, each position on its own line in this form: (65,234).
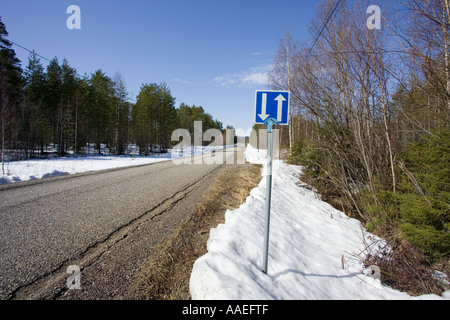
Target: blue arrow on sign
(272,104)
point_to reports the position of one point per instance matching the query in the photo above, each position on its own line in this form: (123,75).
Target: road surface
(48,225)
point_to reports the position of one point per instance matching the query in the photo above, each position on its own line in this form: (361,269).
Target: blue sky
(212,53)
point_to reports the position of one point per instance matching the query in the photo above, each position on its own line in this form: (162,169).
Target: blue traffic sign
(272,104)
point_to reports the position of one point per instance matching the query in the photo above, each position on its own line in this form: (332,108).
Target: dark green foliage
(435,244)
(424,204)
(421,204)
(154,117)
(295,157)
(429,160)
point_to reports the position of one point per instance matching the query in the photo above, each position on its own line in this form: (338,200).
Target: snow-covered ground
(16,171)
(313,253)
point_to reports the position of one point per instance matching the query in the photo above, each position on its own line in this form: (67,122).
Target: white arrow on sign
(280,100)
(263,114)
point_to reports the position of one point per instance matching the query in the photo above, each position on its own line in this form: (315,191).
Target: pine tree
(11,83)
(167,116)
(101,111)
(121,114)
(53,97)
(65,113)
(34,123)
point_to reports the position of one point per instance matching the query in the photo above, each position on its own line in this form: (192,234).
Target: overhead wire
(323,27)
(34,52)
(30,51)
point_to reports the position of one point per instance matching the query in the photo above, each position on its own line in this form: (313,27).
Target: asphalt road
(45,225)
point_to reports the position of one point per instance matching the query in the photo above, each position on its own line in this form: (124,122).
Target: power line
(323,28)
(30,51)
(38,55)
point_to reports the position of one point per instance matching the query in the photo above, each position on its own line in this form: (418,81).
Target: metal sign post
(271,108)
(270,123)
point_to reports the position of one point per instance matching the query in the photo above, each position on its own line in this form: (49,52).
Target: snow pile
(256,156)
(33,169)
(313,253)
(37,169)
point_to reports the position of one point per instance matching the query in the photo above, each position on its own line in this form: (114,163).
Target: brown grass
(166,275)
(404,267)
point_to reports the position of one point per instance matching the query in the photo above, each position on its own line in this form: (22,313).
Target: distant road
(47,224)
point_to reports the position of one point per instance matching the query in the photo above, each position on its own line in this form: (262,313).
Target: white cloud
(225,80)
(257,76)
(183,81)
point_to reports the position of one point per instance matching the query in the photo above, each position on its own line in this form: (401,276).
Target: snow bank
(37,169)
(33,169)
(313,249)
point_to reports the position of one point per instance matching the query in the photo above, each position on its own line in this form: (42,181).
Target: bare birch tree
(282,75)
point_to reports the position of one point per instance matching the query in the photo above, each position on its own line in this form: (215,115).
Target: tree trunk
(2,124)
(445,27)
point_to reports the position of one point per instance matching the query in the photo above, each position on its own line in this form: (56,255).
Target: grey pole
(270,122)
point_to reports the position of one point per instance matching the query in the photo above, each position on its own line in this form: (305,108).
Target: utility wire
(38,55)
(30,51)
(323,27)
